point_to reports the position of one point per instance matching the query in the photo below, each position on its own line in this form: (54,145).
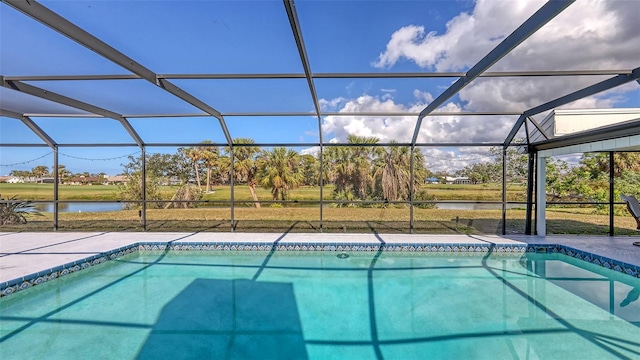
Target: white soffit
(572,121)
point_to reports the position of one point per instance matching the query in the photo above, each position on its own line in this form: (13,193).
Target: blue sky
(189,37)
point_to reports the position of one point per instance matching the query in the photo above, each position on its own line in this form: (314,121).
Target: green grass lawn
(65,192)
(349,220)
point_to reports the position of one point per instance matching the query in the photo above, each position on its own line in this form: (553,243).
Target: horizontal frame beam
(148,145)
(354,75)
(294,113)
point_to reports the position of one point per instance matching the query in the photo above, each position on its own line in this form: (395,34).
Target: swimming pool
(316,305)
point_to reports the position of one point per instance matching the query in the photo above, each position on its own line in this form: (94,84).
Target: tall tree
(393,172)
(193,154)
(280,171)
(63,174)
(516,164)
(222,174)
(597,163)
(209,155)
(24,175)
(244,165)
(351,168)
(132,189)
(181,166)
(40,171)
(310,170)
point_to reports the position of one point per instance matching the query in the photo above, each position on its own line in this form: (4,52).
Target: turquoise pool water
(263,305)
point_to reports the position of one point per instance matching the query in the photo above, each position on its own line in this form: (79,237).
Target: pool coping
(24,282)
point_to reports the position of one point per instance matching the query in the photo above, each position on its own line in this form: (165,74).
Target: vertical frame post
(233,189)
(541,196)
(321,182)
(411,188)
(530,174)
(55,187)
(504,190)
(611,193)
(143,213)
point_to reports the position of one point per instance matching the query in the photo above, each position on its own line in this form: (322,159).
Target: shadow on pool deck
(228,319)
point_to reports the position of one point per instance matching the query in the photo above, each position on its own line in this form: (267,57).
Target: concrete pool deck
(26,253)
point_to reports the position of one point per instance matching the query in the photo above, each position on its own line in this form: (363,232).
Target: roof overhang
(619,137)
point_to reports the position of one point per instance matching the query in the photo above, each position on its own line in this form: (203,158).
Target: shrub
(423,195)
(14,211)
(185,197)
(132,190)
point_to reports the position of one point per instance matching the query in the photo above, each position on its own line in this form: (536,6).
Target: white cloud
(589,34)
(467,39)
(452,159)
(387,96)
(401,128)
(314,150)
(330,104)
(385,128)
(423,96)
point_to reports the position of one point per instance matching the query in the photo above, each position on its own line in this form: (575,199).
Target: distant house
(11,180)
(85,180)
(432,180)
(458,180)
(116,179)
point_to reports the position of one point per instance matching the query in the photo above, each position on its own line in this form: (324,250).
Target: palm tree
(63,174)
(24,175)
(40,171)
(350,168)
(209,155)
(244,165)
(279,170)
(194,155)
(310,169)
(223,169)
(339,168)
(363,157)
(393,172)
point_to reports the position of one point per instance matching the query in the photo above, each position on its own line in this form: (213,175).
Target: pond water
(81,207)
(458,206)
(105,207)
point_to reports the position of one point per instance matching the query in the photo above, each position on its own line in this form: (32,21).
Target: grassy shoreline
(349,220)
(394,219)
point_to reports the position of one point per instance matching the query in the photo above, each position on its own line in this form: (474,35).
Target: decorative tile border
(475,249)
(25,282)
(611,264)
